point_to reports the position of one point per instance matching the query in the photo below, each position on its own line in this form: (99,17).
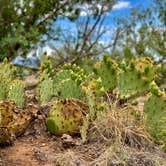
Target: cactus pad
(8,69)
(13,121)
(47,68)
(45,90)
(67,82)
(135,77)
(66,116)
(107,71)
(70,89)
(155,111)
(16,92)
(3,85)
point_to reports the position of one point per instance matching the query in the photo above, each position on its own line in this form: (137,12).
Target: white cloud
(87,9)
(83,13)
(121,5)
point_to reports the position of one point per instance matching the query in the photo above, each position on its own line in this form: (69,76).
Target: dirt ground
(38,147)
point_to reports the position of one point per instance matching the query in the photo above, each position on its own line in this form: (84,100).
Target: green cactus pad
(70,89)
(107,71)
(66,117)
(155,111)
(67,82)
(47,68)
(45,90)
(8,69)
(7,73)
(135,77)
(154,89)
(3,85)
(51,125)
(16,92)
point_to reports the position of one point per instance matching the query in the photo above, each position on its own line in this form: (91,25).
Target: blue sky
(134,3)
(120,9)
(124,6)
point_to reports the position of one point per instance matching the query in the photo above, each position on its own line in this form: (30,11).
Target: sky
(124,6)
(127,4)
(121,9)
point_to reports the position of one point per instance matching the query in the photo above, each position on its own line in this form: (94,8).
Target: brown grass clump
(120,125)
(118,155)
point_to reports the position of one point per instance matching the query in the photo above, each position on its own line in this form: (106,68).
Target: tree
(85,41)
(24,22)
(144,31)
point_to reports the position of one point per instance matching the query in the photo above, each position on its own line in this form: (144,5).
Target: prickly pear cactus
(66,116)
(87,64)
(70,89)
(155,112)
(70,72)
(8,70)
(67,82)
(47,68)
(97,87)
(16,92)
(13,121)
(107,71)
(45,90)
(135,77)
(59,77)
(3,85)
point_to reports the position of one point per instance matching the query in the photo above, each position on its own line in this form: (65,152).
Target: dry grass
(119,155)
(119,125)
(69,158)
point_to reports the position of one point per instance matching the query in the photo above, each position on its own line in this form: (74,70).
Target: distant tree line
(24,23)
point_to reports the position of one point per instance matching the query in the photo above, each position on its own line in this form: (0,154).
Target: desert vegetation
(87,104)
